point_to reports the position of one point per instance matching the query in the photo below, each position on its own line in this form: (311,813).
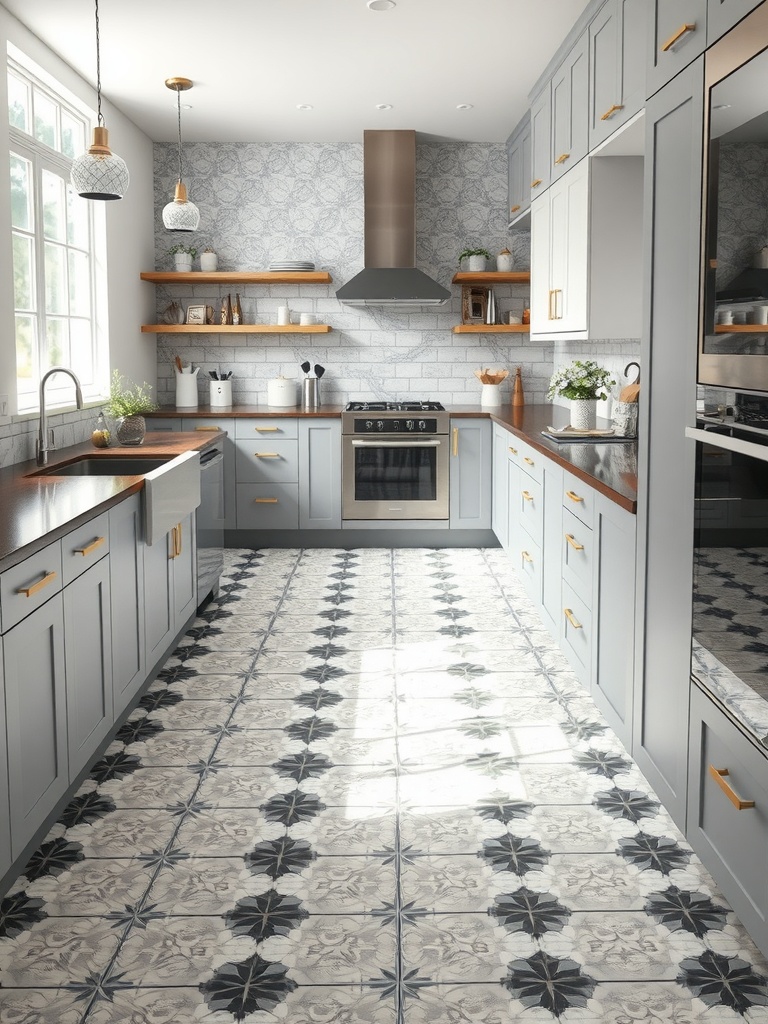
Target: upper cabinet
(723,15)
(616,66)
(541,142)
(570,89)
(519,169)
(678,34)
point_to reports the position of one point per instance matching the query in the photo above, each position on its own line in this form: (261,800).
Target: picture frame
(196,314)
(474,304)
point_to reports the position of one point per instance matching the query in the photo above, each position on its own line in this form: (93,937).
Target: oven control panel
(397,425)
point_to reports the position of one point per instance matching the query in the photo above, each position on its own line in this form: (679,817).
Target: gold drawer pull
(573,542)
(527,495)
(267,455)
(562,158)
(550,315)
(265,501)
(678,35)
(557,316)
(90,547)
(455,443)
(572,619)
(720,775)
(31,591)
(574,496)
(529,461)
(611,111)
(526,556)
(208,428)
(513,450)
(514,209)
(176,541)
(536,182)
(267,430)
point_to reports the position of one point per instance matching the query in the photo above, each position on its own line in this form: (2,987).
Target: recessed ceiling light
(304,106)
(464,106)
(381,5)
(383,106)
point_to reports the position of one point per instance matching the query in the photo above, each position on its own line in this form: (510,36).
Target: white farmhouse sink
(171,493)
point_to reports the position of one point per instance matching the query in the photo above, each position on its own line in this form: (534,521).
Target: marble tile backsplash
(17,438)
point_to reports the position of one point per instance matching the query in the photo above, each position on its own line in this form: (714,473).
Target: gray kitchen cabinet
(617,66)
(184,565)
(673,181)
(678,34)
(514,529)
(264,462)
(541,142)
(728,811)
(268,506)
(5,805)
(722,15)
(36,718)
(126,601)
(470,474)
(551,566)
(227,445)
(169,588)
(519,169)
(88,660)
(570,105)
(500,487)
(319,474)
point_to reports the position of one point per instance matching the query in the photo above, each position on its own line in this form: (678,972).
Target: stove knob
(369,424)
(380,425)
(409,424)
(422,424)
(395,424)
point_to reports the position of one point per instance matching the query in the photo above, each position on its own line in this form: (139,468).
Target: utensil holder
(490,396)
(310,394)
(624,419)
(221,393)
(186,390)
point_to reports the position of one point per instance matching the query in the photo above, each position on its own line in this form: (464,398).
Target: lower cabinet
(728,811)
(470,474)
(126,601)
(169,588)
(319,474)
(499,486)
(5,804)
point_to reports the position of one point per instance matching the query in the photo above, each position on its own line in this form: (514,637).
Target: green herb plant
(583,380)
(183,248)
(128,399)
(474,252)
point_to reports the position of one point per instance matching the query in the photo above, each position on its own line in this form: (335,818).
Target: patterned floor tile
(334,949)
(340,831)
(446,883)
(124,833)
(224,832)
(453,947)
(58,951)
(92,887)
(40,1006)
(151,787)
(208,886)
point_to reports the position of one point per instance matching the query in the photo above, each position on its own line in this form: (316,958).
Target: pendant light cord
(100,118)
(178,108)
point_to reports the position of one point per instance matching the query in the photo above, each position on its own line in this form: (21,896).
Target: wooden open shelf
(239,329)
(492,329)
(741,328)
(491,277)
(236,277)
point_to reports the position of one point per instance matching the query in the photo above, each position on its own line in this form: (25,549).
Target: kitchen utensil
(281,392)
(305,366)
(491,376)
(178,363)
(630,392)
(213,375)
(319,371)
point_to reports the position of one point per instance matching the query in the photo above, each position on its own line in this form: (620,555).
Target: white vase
(209,262)
(476,263)
(182,261)
(584,413)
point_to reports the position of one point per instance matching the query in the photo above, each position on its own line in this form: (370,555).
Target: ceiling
(254,61)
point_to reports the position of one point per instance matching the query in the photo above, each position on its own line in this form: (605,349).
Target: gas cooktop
(395,407)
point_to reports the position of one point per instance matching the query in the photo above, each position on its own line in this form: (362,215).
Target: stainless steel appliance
(210,524)
(395,461)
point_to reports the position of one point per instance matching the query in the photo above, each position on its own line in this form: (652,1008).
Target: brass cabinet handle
(180,535)
(720,775)
(514,209)
(557,316)
(549,305)
(528,460)
(31,591)
(677,36)
(513,450)
(611,111)
(455,442)
(208,428)
(536,182)
(574,496)
(267,430)
(267,455)
(526,556)
(527,495)
(265,501)
(173,543)
(90,547)
(573,542)
(562,158)
(572,619)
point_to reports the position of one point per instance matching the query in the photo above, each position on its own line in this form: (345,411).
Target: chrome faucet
(43,446)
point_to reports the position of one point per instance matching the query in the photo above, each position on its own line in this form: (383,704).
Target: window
(56,237)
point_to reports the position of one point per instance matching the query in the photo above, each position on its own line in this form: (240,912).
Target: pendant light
(99,173)
(180,214)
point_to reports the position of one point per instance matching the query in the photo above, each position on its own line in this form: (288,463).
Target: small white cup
(725,316)
(283,316)
(740,316)
(760,314)
(307,319)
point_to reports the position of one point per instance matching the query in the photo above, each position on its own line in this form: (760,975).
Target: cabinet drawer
(84,547)
(579,498)
(529,460)
(732,843)
(267,506)
(29,584)
(167,423)
(527,559)
(578,556)
(207,426)
(530,507)
(261,461)
(278,428)
(577,633)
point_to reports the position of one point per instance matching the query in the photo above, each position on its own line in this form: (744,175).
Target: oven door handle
(731,444)
(432,443)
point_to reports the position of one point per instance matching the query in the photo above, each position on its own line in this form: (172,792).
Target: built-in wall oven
(395,461)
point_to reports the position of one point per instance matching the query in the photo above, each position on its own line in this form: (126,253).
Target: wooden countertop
(39,509)
(246,411)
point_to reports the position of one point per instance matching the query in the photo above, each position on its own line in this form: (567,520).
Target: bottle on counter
(237,312)
(100,434)
(526,318)
(518,398)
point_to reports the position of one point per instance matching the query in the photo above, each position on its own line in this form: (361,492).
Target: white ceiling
(253,61)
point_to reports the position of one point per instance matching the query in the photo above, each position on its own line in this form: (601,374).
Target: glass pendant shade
(180,214)
(100,173)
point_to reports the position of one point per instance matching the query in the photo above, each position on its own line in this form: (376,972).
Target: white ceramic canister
(281,392)
(490,396)
(221,393)
(186,388)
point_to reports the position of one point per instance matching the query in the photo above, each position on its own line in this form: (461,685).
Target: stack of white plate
(292,265)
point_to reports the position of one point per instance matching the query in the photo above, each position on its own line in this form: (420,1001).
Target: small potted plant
(128,403)
(209,261)
(584,384)
(478,258)
(183,255)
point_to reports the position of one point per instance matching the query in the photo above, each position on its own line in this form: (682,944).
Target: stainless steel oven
(395,461)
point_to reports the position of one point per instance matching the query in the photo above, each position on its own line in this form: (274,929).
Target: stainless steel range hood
(390,277)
